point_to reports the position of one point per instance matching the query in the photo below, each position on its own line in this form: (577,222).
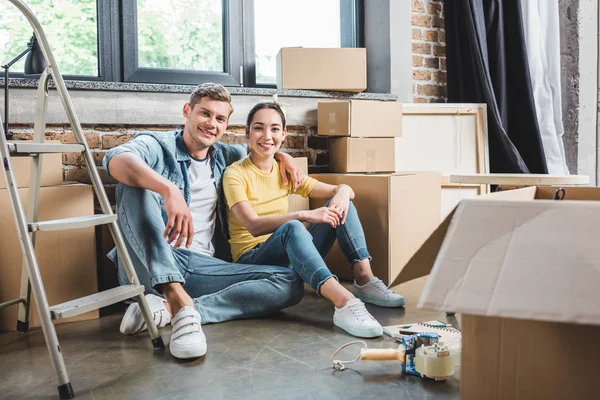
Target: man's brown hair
(213,91)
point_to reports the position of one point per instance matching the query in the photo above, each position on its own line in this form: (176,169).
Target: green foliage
(71,28)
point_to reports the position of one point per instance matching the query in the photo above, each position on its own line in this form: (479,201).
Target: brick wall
(300,142)
(429,51)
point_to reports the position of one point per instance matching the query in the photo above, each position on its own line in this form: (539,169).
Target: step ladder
(27,223)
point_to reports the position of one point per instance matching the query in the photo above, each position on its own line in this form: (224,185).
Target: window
(232,42)
(70,25)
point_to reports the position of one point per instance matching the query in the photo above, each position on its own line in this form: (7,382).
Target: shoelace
(379,285)
(360,312)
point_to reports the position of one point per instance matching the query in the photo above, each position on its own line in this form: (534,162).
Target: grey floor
(286,356)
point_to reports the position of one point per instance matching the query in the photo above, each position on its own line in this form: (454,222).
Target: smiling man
(172,214)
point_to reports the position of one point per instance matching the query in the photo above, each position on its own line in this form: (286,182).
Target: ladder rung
(95,301)
(27,149)
(72,223)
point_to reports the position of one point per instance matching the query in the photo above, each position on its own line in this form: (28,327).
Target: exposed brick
(437,22)
(77,158)
(431,90)
(421,20)
(81,175)
(232,138)
(151,128)
(322,159)
(113,140)
(299,153)
(417,6)
(318,169)
(421,48)
(431,62)
(416,34)
(439,51)
(298,129)
(93,139)
(295,142)
(111,193)
(103,128)
(318,142)
(434,8)
(417,61)
(241,130)
(439,76)
(442,35)
(421,75)
(419,100)
(438,99)
(430,36)
(443,63)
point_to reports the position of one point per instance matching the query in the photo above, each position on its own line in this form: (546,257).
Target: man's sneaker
(187,338)
(375,292)
(133,321)
(356,320)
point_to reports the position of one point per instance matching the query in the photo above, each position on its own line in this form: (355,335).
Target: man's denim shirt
(167,154)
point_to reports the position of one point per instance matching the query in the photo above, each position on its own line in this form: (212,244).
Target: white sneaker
(187,338)
(375,292)
(133,321)
(356,320)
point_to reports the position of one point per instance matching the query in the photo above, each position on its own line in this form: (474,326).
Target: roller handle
(382,354)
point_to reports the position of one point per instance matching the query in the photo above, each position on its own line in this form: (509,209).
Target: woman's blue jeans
(221,291)
(305,249)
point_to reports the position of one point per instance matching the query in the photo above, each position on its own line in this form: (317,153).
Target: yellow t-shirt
(266,193)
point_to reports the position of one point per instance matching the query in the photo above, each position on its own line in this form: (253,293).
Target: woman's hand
(179,224)
(323,215)
(341,201)
(288,166)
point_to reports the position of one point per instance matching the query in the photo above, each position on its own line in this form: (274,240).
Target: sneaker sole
(358,332)
(188,353)
(381,303)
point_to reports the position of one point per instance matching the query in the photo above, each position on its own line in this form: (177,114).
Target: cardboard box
(524,271)
(359,118)
(398,212)
(322,69)
(67,259)
(52,173)
(362,155)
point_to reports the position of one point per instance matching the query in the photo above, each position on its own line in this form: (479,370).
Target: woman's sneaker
(376,292)
(187,338)
(356,320)
(133,320)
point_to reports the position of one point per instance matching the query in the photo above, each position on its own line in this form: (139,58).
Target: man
(170,195)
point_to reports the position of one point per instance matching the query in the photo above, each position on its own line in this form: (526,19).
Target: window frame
(118,40)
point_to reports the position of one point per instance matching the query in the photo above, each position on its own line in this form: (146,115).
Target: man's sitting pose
(171,195)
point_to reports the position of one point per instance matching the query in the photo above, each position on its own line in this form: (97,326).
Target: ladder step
(27,149)
(95,301)
(72,223)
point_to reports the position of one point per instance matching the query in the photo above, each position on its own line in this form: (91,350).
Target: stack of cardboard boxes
(66,258)
(398,210)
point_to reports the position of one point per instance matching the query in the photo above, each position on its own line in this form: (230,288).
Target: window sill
(166,88)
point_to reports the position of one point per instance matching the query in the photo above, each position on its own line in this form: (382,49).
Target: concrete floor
(286,356)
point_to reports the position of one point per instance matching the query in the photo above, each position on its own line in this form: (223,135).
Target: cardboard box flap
(519,259)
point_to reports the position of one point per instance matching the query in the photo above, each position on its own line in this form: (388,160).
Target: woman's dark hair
(265,105)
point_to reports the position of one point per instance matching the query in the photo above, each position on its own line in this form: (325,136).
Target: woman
(263,232)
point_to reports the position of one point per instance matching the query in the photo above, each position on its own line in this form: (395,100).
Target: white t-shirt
(203,205)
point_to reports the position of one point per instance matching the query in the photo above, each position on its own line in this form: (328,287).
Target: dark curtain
(487,63)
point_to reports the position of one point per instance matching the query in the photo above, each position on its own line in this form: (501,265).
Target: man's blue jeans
(305,249)
(221,291)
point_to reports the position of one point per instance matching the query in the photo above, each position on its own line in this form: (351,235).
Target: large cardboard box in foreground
(398,212)
(67,259)
(524,271)
(359,118)
(343,69)
(362,155)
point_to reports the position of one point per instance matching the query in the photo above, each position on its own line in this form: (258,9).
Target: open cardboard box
(524,271)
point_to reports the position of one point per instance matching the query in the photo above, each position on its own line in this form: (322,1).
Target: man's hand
(341,201)
(179,223)
(327,215)
(288,166)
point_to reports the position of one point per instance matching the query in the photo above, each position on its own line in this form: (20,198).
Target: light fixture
(35,64)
